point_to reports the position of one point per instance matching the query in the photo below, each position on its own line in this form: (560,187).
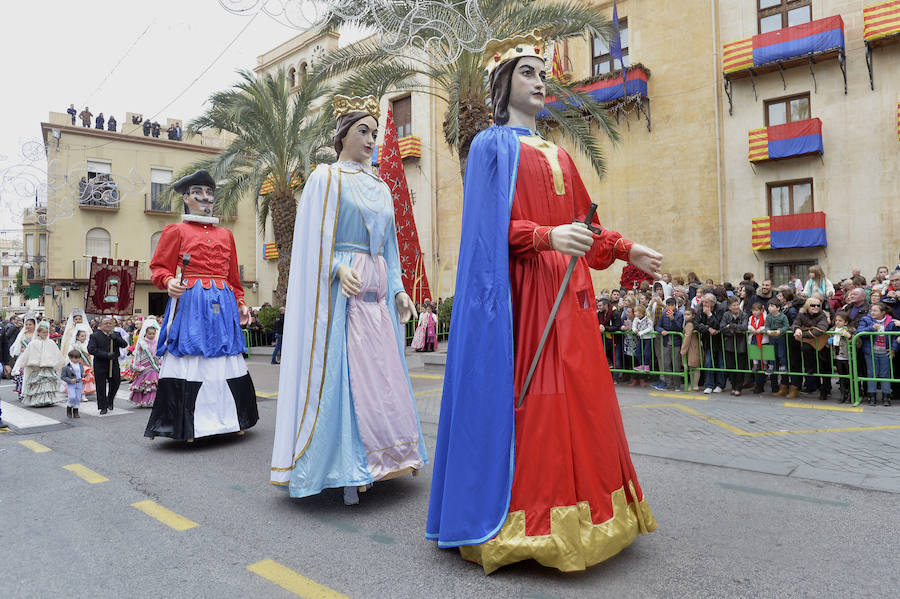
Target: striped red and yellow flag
(270,251)
(268,185)
(762,233)
(557,69)
(737,56)
(759,144)
(881,20)
(410,146)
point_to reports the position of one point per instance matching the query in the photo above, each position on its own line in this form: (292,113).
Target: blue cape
(473,459)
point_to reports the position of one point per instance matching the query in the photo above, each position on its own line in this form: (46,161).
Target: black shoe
(103,412)
(872,401)
(886,401)
(68,411)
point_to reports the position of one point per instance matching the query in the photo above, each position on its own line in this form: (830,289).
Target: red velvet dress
(575,497)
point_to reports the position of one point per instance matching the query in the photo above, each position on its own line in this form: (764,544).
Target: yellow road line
(679,396)
(811,406)
(35,446)
(426,376)
(742,433)
(267,394)
(293,582)
(86,474)
(164,515)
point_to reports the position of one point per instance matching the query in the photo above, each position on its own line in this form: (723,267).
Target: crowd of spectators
(149,128)
(795,336)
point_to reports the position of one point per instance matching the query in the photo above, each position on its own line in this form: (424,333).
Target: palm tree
(276,135)
(462,83)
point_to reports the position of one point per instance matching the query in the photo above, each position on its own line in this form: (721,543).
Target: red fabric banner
(111,289)
(391,172)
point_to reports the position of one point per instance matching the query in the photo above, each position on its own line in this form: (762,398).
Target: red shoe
(633,383)
(643,383)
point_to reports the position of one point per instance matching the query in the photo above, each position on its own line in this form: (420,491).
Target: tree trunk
(284,213)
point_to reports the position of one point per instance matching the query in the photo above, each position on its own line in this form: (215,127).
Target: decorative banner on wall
(391,171)
(789,231)
(881,20)
(111,288)
(270,251)
(814,37)
(790,139)
(607,90)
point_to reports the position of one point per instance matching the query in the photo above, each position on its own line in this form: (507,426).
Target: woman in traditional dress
(346,415)
(26,334)
(79,344)
(76,317)
(145,365)
(552,479)
(40,362)
(204,387)
(425,338)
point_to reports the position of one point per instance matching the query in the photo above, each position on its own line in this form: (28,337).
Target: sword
(559,296)
(185,261)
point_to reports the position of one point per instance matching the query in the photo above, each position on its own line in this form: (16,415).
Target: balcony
(789,231)
(790,140)
(98,193)
(881,27)
(800,45)
(616,90)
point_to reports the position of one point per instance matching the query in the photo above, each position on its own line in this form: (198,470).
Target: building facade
(12,257)
(104,199)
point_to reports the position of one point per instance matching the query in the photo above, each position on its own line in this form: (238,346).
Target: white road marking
(21,418)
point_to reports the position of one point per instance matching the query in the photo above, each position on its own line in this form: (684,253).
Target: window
(602,61)
(98,189)
(159,180)
(29,246)
(97,243)
(787,110)
(783,273)
(154,241)
(791,197)
(778,14)
(5,271)
(292,77)
(403,116)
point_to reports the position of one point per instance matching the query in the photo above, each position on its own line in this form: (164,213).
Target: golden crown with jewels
(496,52)
(344,105)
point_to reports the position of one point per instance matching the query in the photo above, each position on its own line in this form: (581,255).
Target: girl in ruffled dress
(145,366)
(79,343)
(22,340)
(40,362)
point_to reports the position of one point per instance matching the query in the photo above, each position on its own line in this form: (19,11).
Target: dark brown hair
(343,126)
(501,83)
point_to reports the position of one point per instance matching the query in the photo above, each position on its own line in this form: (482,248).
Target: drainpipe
(715,55)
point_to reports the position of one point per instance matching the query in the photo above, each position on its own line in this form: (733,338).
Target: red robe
(570,447)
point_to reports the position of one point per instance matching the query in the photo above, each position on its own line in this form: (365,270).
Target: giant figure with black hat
(204,387)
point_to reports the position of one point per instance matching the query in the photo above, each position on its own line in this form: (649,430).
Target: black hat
(201,177)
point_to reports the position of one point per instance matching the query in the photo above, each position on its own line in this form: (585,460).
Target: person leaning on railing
(810,328)
(708,324)
(734,340)
(877,352)
(690,349)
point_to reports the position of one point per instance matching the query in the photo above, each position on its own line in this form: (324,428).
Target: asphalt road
(724,531)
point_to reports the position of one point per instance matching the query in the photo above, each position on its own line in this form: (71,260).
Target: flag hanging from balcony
(111,287)
(814,37)
(557,71)
(789,231)
(270,251)
(790,139)
(391,171)
(881,20)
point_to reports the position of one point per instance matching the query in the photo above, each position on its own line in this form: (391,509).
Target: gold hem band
(574,542)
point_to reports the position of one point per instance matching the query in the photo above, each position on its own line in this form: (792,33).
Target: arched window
(97,243)
(292,77)
(302,71)
(154,241)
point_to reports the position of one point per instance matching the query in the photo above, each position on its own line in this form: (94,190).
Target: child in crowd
(734,328)
(690,350)
(642,326)
(840,342)
(79,344)
(73,376)
(756,326)
(876,351)
(628,343)
(670,321)
(145,365)
(777,327)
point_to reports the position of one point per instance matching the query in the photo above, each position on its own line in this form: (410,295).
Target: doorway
(157,303)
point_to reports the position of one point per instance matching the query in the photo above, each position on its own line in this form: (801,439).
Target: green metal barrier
(868,357)
(619,342)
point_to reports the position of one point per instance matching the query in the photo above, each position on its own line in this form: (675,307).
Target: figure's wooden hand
(572,240)
(351,282)
(175,288)
(646,259)
(406,309)
(244,311)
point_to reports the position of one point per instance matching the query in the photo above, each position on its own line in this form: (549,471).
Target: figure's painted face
(150,334)
(359,141)
(81,336)
(527,89)
(200,200)
(77,319)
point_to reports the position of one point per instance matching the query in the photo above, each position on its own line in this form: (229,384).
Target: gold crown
(344,105)
(496,52)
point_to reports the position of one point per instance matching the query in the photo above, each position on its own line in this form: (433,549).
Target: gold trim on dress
(574,542)
(551,153)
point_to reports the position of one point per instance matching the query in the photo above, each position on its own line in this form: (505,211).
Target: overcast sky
(54,53)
